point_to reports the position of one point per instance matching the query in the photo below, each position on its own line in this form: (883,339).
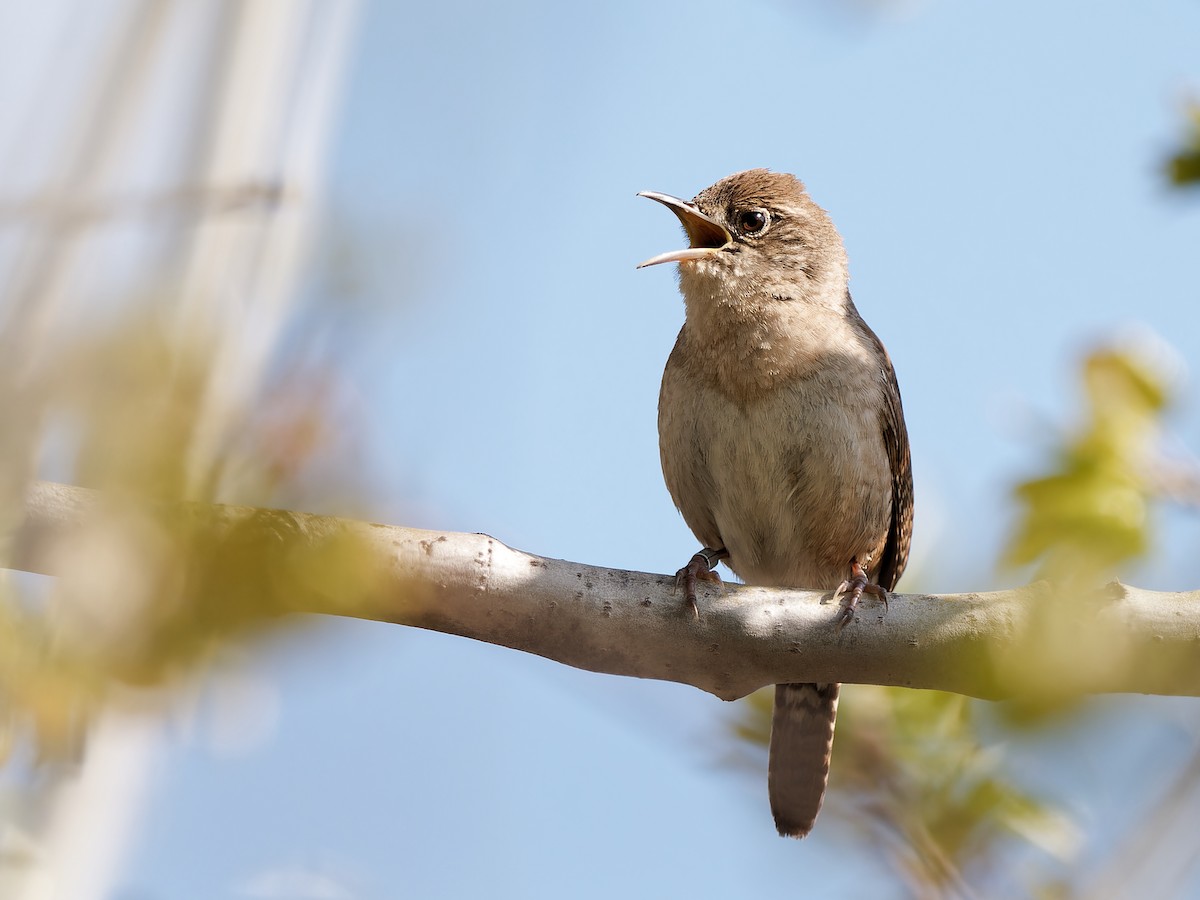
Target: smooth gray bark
(990,645)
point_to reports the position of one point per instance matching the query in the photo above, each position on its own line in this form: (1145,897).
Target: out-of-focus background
(377,259)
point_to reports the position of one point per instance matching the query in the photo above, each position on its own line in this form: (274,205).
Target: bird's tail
(801,741)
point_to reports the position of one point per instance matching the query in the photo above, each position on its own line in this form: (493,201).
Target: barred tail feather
(801,742)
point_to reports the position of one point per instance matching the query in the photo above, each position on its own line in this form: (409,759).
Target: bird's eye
(752,221)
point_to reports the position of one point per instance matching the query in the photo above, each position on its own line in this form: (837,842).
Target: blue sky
(995,172)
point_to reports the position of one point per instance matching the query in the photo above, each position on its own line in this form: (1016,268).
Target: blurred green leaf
(154,585)
(1184,167)
(911,775)
(1092,512)
(914,760)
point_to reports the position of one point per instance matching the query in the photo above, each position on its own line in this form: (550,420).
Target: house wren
(782,434)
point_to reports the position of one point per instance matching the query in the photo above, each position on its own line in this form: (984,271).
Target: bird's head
(756,238)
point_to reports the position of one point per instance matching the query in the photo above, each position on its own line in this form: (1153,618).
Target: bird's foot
(699,568)
(853,588)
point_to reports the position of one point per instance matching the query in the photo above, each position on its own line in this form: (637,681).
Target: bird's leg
(699,567)
(853,588)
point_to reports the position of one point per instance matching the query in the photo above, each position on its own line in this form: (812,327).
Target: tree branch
(989,645)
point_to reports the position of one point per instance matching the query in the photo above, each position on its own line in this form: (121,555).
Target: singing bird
(782,434)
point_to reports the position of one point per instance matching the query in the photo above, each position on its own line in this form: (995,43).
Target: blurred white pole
(284,60)
(94,815)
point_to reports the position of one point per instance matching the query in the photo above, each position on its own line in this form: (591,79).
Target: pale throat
(750,342)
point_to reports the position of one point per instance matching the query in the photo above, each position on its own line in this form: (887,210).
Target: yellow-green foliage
(154,581)
(1184,167)
(1091,513)
(911,774)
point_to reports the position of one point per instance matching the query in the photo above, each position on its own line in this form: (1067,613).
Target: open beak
(706,236)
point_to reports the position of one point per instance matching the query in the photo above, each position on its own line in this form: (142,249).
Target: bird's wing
(895,440)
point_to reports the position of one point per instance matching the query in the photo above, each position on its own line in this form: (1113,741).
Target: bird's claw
(853,588)
(699,568)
